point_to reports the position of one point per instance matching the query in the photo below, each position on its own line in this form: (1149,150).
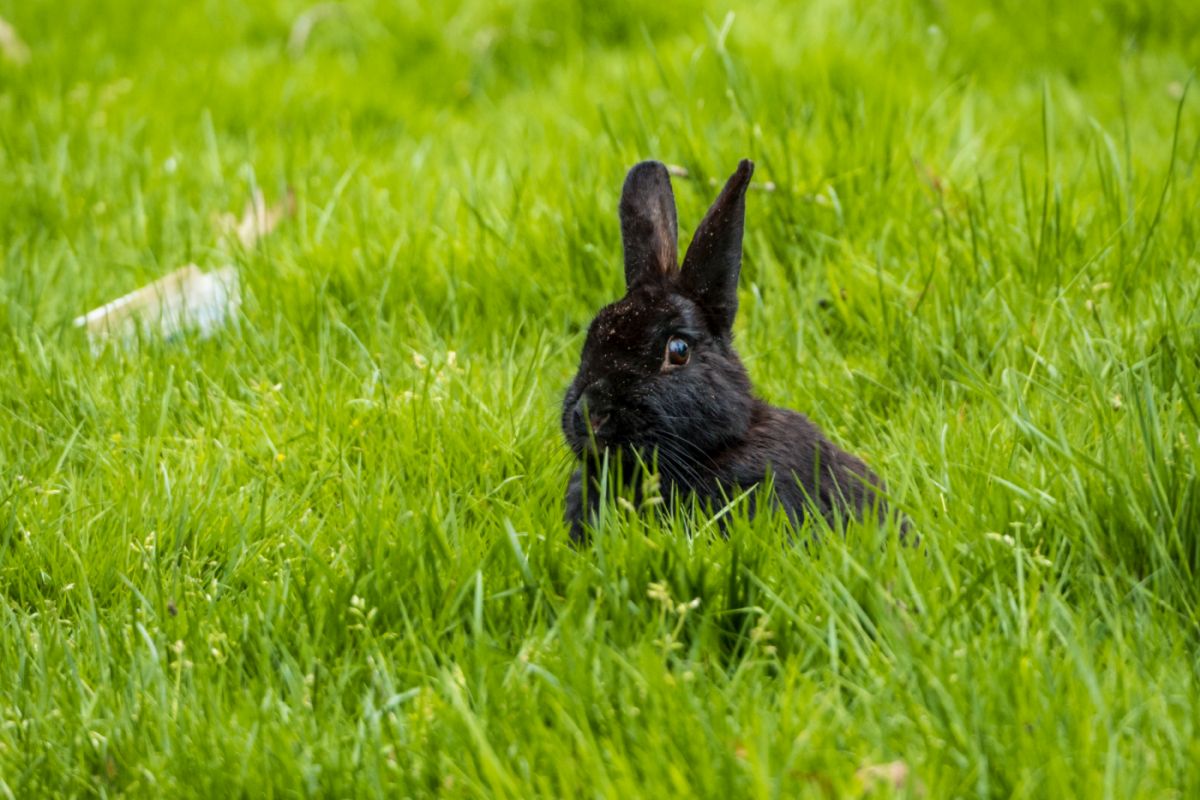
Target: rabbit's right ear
(649,228)
(714,258)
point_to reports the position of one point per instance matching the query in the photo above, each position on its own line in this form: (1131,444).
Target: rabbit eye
(678,352)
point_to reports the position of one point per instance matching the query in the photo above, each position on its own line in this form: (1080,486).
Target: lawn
(321,553)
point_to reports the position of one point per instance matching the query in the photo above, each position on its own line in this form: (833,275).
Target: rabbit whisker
(682,462)
(689,449)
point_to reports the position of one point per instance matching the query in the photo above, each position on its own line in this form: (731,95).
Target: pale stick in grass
(11,46)
(258,219)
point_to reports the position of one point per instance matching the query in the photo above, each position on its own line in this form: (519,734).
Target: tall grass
(322,554)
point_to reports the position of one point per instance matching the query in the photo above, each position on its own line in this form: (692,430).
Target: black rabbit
(659,382)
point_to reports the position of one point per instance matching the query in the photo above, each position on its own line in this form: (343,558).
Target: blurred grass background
(322,554)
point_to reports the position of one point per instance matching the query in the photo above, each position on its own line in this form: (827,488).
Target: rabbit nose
(589,412)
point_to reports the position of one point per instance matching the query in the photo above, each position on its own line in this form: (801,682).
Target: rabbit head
(658,373)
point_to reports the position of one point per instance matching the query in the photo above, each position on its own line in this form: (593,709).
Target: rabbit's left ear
(648,227)
(714,258)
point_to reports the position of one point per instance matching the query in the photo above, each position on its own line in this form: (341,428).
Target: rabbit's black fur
(697,421)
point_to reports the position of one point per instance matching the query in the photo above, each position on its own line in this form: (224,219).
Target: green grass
(322,554)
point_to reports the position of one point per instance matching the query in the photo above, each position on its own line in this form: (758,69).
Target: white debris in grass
(188,299)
